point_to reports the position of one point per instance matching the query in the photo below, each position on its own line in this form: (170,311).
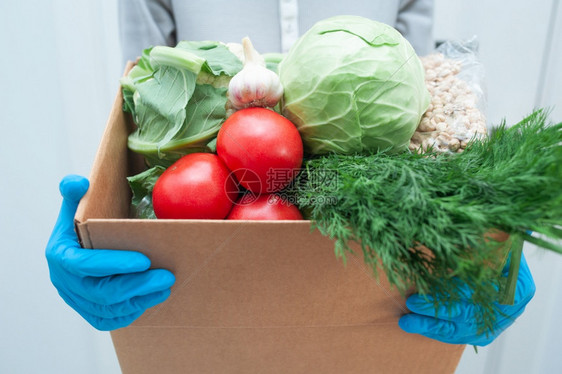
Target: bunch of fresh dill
(396,206)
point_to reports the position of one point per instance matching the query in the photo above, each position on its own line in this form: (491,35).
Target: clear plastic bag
(455,80)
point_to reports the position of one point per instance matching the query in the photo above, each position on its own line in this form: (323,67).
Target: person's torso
(229,21)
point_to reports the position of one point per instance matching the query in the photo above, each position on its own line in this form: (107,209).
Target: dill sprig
(396,206)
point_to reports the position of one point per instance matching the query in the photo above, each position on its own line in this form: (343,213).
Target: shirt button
(288,12)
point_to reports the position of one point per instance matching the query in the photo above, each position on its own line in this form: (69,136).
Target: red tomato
(262,148)
(264,207)
(197,186)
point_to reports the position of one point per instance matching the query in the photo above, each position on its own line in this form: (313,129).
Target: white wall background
(59,70)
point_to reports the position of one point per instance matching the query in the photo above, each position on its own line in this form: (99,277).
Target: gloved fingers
(109,324)
(427,326)
(98,262)
(72,189)
(119,288)
(433,328)
(454,332)
(100,323)
(122,309)
(459,311)
(63,247)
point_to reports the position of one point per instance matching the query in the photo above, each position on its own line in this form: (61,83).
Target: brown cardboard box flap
(263,297)
(253,274)
(249,297)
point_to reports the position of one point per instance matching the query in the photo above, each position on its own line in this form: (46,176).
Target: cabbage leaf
(353,85)
(177,98)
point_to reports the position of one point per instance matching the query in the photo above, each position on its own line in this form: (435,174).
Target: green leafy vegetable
(352,85)
(219,59)
(395,205)
(141,185)
(177,97)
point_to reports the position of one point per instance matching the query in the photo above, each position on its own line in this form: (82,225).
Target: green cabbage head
(353,85)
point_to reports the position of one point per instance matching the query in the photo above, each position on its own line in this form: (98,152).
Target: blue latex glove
(108,288)
(458,326)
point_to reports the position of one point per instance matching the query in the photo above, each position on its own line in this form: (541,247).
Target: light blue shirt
(272,25)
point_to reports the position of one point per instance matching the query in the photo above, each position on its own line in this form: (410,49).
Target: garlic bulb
(254,85)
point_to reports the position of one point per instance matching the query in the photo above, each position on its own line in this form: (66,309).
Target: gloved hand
(108,288)
(458,326)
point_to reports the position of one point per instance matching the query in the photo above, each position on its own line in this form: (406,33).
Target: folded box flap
(247,273)
(110,168)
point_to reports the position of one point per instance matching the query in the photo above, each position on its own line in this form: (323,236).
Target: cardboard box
(250,297)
